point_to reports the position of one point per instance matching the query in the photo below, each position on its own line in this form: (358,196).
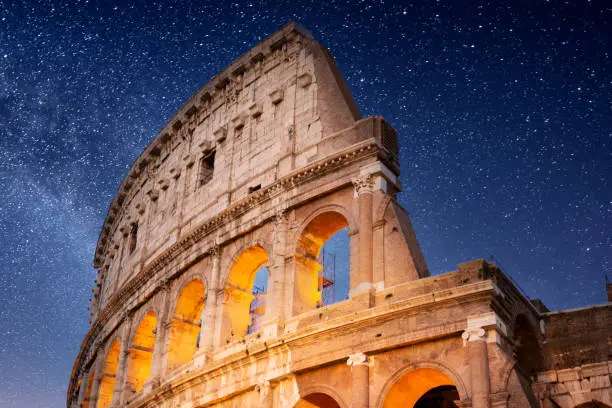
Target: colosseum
(212,290)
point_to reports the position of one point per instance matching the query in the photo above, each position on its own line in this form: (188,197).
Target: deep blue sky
(503,111)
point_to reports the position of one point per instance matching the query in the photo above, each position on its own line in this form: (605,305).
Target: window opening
(207,168)
(133,237)
(257,308)
(334,274)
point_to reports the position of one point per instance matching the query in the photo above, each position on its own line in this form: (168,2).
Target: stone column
(360,380)
(95,387)
(266,399)
(161,338)
(277,307)
(364,186)
(475,341)
(209,318)
(122,364)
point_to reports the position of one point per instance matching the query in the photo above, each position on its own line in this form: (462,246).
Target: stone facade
(260,168)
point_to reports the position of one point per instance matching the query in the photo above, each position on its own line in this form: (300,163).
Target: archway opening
(527,349)
(257,309)
(90,380)
(238,308)
(109,374)
(322,275)
(317,400)
(185,324)
(422,388)
(439,397)
(141,353)
(593,404)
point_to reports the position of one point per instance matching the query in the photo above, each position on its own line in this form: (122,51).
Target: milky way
(503,112)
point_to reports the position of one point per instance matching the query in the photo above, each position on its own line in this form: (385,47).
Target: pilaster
(364,186)
(124,357)
(478,360)
(277,306)
(209,320)
(360,380)
(161,339)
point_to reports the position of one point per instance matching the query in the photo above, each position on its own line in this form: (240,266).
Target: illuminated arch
(141,352)
(109,373)
(185,324)
(89,385)
(317,229)
(317,400)
(313,393)
(411,383)
(238,292)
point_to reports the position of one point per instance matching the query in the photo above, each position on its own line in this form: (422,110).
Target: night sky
(503,111)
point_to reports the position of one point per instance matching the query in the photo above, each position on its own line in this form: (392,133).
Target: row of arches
(242,307)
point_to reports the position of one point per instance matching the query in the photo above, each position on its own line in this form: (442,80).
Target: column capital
(357,359)
(214,251)
(363,184)
(165,286)
(263,387)
(280,218)
(475,334)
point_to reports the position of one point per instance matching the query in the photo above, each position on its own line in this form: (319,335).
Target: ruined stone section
(260,168)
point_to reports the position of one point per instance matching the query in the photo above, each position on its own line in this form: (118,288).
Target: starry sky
(503,111)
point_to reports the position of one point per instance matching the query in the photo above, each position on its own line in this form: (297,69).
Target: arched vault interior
(412,386)
(141,352)
(185,324)
(307,293)
(238,292)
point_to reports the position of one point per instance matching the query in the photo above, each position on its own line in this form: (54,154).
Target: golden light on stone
(238,292)
(141,352)
(309,244)
(413,385)
(185,324)
(109,375)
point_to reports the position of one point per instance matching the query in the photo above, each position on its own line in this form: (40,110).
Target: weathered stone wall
(262,117)
(576,337)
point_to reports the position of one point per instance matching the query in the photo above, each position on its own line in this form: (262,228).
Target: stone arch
(88,387)
(195,272)
(152,306)
(233,251)
(317,391)
(527,345)
(379,214)
(444,374)
(237,290)
(351,219)
(140,358)
(109,373)
(313,233)
(184,323)
(593,404)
